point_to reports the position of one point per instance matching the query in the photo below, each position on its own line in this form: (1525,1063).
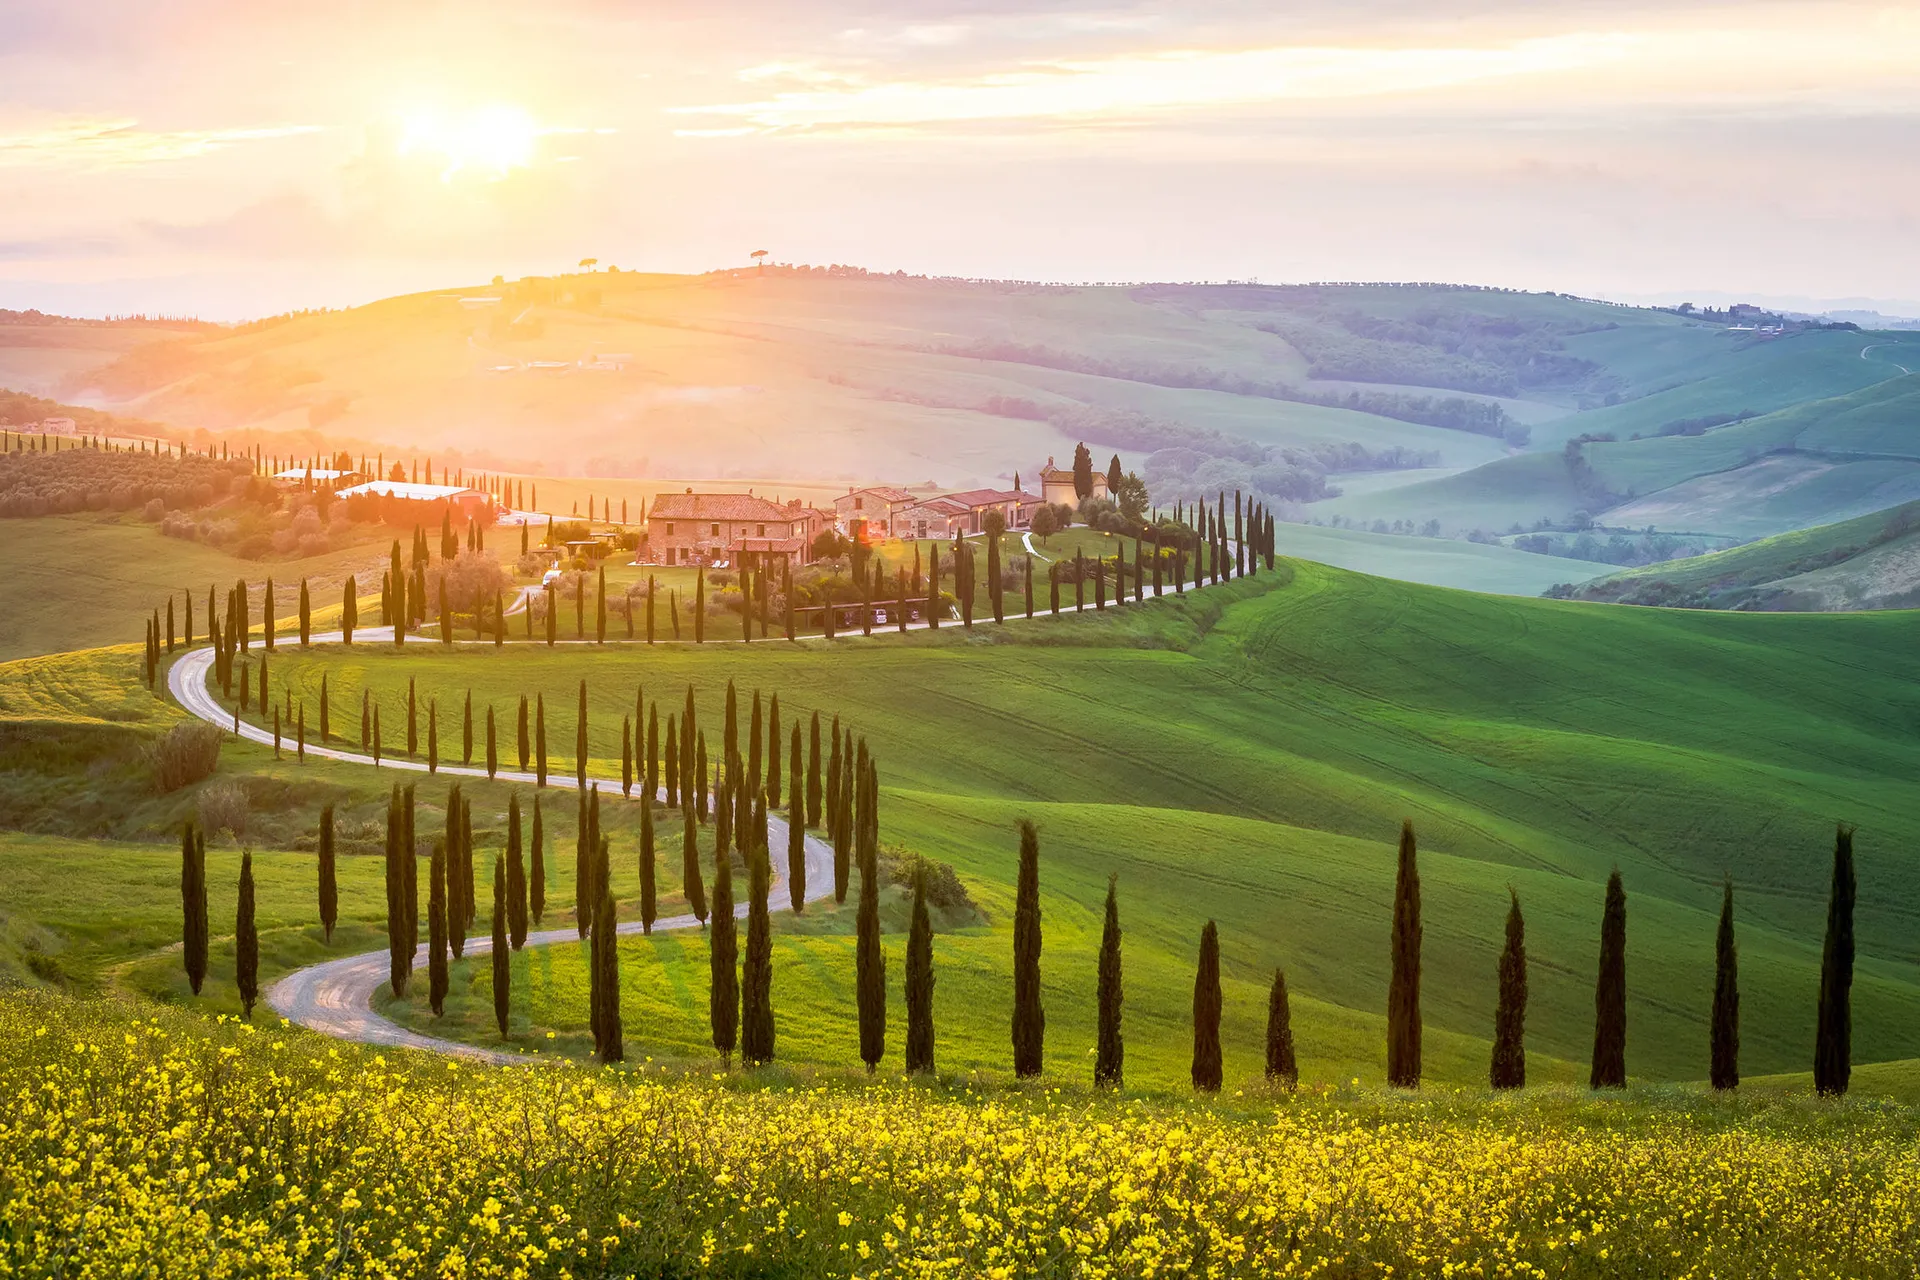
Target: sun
(489,142)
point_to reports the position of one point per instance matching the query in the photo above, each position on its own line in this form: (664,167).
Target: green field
(1869,562)
(1252,766)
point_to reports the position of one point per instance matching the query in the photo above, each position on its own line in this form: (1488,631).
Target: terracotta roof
(884,492)
(409,490)
(1054,475)
(988,497)
(945,504)
(734,507)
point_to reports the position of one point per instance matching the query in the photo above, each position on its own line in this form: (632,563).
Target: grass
(1252,766)
(1868,562)
(77,581)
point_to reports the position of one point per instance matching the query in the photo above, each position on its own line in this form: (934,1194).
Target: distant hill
(1869,562)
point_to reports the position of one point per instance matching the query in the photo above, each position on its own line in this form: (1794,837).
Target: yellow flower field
(165,1145)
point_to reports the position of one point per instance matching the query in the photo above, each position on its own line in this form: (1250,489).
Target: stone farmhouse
(731,528)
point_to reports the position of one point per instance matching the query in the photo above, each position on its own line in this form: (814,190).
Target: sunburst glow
(489,142)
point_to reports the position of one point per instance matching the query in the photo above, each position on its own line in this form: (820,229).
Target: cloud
(113,144)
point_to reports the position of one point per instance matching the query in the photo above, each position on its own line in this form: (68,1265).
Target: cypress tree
(493,753)
(724,1007)
(540,739)
(410,871)
(1724,1071)
(433,735)
(1833,1033)
(502,963)
(994,593)
(773,751)
(606,968)
(459,888)
(537,869)
(796,833)
(813,771)
(1281,1069)
(600,609)
(349,611)
(1109,1048)
(700,808)
(1403,987)
(329,885)
(699,605)
(466,729)
(580,740)
(246,940)
(626,756)
(413,720)
(437,930)
(690,883)
(399,944)
(1206,1013)
(730,731)
(870,970)
(649,908)
(1028,561)
(1029,1019)
(920,978)
(756,971)
(836,820)
(653,754)
(673,763)
(1610,993)
(755,758)
(306,615)
(516,877)
(1509,1069)
(585,841)
(266,616)
(193,904)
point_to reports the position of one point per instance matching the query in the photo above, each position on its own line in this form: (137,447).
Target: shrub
(155,508)
(186,754)
(224,807)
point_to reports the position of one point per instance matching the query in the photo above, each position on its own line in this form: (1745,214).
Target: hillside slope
(1870,562)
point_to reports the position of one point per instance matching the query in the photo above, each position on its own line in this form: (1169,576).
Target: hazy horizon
(228,162)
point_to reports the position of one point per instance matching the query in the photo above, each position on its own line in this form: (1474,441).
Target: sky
(232,160)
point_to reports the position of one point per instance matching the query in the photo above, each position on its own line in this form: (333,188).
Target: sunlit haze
(232,160)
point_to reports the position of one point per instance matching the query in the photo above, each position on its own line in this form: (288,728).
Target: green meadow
(1246,755)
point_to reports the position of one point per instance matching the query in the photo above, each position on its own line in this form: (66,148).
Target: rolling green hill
(1869,562)
(1252,766)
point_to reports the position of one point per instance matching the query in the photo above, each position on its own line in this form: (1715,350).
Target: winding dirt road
(336,996)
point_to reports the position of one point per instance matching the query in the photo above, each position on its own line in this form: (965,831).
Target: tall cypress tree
(870,969)
(1281,1068)
(193,904)
(493,754)
(649,906)
(796,833)
(1109,1048)
(455,911)
(413,719)
(1029,1019)
(1206,1013)
(653,754)
(1610,993)
(773,751)
(813,771)
(755,758)
(606,955)
(580,740)
(466,729)
(329,884)
(437,930)
(523,743)
(724,1006)
(920,978)
(540,739)
(1403,987)
(399,943)
(1509,1069)
(1724,1054)
(836,824)
(1833,1031)
(537,868)
(756,972)
(585,842)
(673,764)
(626,756)
(410,871)
(246,940)
(502,961)
(516,877)
(690,883)
(306,615)
(349,611)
